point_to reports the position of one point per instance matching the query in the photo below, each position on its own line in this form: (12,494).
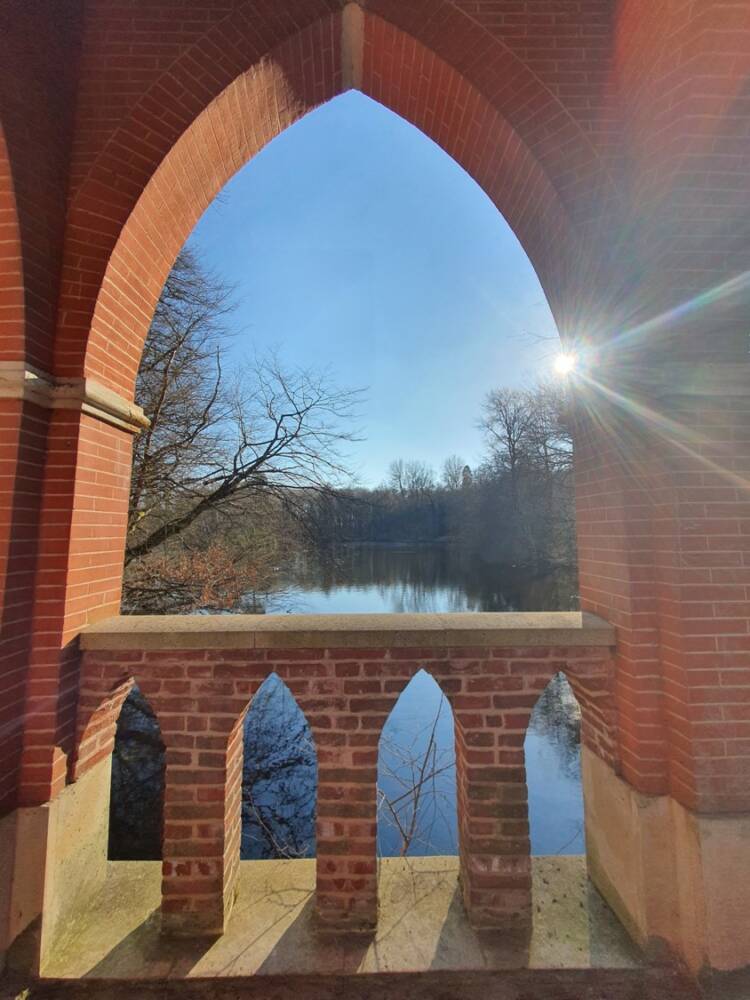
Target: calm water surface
(402,579)
(417,744)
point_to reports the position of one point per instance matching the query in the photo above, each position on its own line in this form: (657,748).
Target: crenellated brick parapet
(346,673)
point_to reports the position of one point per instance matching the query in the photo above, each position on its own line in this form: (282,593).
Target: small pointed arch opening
(553,771)
(279,777)
(136,804)
(417,774)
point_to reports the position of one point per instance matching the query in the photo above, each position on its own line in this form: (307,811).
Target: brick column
(78,581)
(663,515)
(493,700)
(346,829)
(664,522)
(201,702)
(491,715)
(613,458)
(23,440)
(702,555)
(197,889)
(347,699)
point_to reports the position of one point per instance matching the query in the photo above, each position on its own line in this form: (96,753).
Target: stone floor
(524,984)
(421,927)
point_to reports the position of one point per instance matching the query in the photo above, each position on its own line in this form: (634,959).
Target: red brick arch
(97,720)
(231,93)
(12,305)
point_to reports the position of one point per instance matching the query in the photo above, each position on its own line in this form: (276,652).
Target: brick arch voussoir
(101,697)
(12,284)
(593,685)
(300,39)
(548,129)
(123,257)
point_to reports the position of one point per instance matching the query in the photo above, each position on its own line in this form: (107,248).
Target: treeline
(241,468)
(514,508)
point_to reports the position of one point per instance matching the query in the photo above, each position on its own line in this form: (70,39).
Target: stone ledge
(82,394)
(272,930)
(494,629)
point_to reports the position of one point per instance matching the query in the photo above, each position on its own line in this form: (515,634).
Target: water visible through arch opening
(417,774)
(279,777)
(553,771)
(136,803)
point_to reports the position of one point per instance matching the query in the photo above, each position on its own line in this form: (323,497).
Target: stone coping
(373,631)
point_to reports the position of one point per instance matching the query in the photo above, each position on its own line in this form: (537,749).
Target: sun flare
(565,364)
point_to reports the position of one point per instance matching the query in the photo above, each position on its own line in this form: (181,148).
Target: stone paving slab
(422,926)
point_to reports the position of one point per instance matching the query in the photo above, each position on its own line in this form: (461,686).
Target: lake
(417,744)
(400,579)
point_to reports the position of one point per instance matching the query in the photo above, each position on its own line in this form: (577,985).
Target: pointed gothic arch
(417,809)
(134,206)
(279,776)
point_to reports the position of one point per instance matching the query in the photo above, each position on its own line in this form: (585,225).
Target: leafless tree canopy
(453,472)
(514,509)
(411,479)
(237,443)
(528,430)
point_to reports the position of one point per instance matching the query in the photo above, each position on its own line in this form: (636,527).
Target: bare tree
(453,472)
(412,478)
(551,437)
(530,458)
(507,420)
(416,788)
(218,442)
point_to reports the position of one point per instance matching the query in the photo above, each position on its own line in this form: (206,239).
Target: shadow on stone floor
(146,947)
(569,984)
(337,953)
(495,950)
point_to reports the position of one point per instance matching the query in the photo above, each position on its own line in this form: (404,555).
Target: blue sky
(356,244)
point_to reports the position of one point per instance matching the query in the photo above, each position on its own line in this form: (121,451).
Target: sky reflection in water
(413,580)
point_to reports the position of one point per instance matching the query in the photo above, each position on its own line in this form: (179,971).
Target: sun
(565,364)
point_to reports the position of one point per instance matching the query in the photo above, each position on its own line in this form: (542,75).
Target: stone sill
(272,929)
(374,631)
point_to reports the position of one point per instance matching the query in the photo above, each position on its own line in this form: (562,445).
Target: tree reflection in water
(557,717)
(137,791)
(413,579)
(279,777)
(553,771)
(417,774)
(280,767)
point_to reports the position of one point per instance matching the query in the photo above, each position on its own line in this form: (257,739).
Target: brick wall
(134,167)
(38,59)
(22,452)
(200,698)
(39,48)
(614,139)
(76,580)
(702,554)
